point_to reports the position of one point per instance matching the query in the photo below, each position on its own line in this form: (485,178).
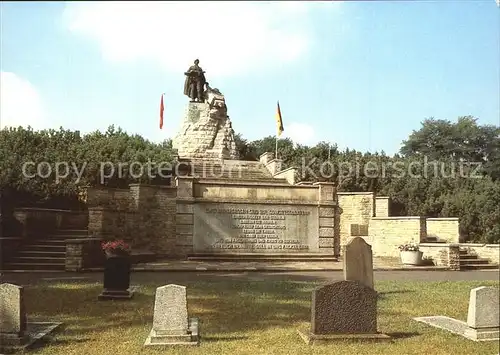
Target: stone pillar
(185,216)
(454,257)
(96,221)
(328,240)
(382,206)
(22,218)
(274,166)
(266,157)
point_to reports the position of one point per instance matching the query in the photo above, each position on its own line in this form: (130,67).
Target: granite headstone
(171,325)
(344,307)
(12,311)
(484,308)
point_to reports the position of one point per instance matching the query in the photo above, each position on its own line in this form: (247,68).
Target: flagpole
(276,152)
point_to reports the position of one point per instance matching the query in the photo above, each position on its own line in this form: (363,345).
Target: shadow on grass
(223,307)
(383,294)
(216,339)
(403,335)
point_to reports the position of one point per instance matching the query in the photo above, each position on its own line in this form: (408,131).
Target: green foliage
(436,174)
(83,157)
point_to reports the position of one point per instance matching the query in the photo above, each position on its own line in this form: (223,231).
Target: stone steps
(38,266)
(47,253)
(473,266)
(470,261)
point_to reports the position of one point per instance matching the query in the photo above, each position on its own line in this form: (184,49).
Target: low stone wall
(442,254)
(385,234)
(39,222)
(290,175)
(356,208)
(484,251)
(84,254)
(143,216)
(444,229)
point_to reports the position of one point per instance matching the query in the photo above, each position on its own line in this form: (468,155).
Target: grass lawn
(254,317)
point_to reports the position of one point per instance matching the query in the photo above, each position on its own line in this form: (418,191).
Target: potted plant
(410,254)
(116,248)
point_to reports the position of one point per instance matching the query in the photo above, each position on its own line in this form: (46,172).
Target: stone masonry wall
(144,216)
(485,251)
(444,229)
(355,208)
(382,206)
(387,233)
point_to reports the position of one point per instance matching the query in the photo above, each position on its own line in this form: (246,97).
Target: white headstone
(12,311)
(358,261)
(484,308)
(170,312)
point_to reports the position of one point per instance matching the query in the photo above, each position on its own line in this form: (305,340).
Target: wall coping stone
(471,245)
(396,218)
(81,240)
(105,188)
(231,181)
(443,219)
(354,193)
(383,197)
(266,202)
(167,187)
(36,209)
(285,170)
(238,183)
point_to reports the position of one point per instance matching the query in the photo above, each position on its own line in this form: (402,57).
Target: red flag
(162,108)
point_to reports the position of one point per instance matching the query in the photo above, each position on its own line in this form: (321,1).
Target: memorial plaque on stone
(171,325)
(116,279)
(358,261)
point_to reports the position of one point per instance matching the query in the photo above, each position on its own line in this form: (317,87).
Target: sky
(359,74)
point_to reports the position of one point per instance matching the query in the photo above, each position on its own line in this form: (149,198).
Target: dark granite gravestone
(343,310)
(116,278)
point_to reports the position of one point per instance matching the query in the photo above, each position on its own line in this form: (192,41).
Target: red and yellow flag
(162,108)
(279,120)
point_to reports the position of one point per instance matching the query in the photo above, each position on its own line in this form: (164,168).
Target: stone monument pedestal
(116,279)
(189,337)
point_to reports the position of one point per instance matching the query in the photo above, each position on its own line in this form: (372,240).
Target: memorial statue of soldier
(195,83)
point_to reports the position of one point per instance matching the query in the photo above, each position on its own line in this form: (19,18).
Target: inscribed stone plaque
(255,228)
(344,307)
(12,311)
(358,261)
(484,308)
(170,312)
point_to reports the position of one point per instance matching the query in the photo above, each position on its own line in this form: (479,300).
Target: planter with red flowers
(116,271)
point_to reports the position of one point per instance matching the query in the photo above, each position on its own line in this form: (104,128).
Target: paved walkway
(379,264)
(162,278)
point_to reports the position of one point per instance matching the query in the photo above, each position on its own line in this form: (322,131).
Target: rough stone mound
(206,130)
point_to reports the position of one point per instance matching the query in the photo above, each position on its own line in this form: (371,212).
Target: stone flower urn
(411,257)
